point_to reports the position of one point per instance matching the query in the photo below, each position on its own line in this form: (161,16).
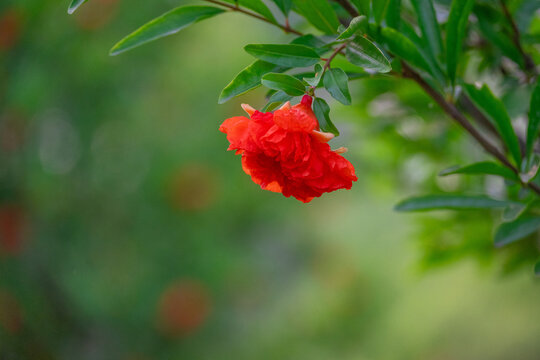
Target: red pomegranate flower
(285,152)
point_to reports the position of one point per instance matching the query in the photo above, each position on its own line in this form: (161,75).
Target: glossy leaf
(358,24)
(450,202)
(455,32)
(482,168)
(337,83)
(319,13)
(167,24)
(393,14)
(427,20)
(518,229)
(379,8)
(401,46)
(284,5)
(286,83)
(248,79)
(494,109)
(289,55)
(322,112)
(534,118)
(74,5)
(277,98)
(316,79)
(256,6)
(364,53)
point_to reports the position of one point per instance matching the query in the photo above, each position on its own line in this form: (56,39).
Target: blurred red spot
(10,313)
(193,187)
(10,29)
(12,226)
(96,14)
(183,308)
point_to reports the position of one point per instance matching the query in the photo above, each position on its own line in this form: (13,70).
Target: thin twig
(285,28)
(528,61)
(334,54)
(348,7)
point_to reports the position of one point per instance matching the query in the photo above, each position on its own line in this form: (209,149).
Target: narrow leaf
(248,79)
(482,168)
(452,202)
(322,112)
(455,32)
(379,9)
(364,53)
(257,6)
(314,81)
(393,15)
(363,6)
(284,5)
(358,24)
(534,118)
(518,229)
(289,55)
(427,20)
(74,5)
(494,109)
(337,83)
(167,24)
(319,13)
(286,83)
(404,48)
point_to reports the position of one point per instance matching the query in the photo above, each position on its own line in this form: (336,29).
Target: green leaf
(257,6)
(284,5)
(534,119)
(393,15)
(167,24)
(322,112)
(289,55)
(74,5)
(358,24)
(314,81)
(286,83)
(363,6)
(379,9)
(451,202)
(518,229)
(455,32)
(404,48)
(319,13)
(494,109)
(248,79)
(537,269)
(427,20)
(278,98)
(482,168)
(364,53)
(337,83)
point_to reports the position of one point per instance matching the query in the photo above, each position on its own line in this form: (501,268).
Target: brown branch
(285,28)
(348,7)
(528,61)
(333,55)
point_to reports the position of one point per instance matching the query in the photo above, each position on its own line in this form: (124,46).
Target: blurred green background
(128,232)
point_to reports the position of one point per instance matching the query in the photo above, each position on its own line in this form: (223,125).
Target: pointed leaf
(427,20)
(337,83)
(534,118)
(314,81)
(518,229)
(494,109)
(358,24)
(286,83)
(284,5)
(278,98)
(404,48)
(74,5)
(364,53)
(248,79)
(256,6)
(450,202)
(322,112)
(289,55)
(455,32)
(167,24)
(319,13)
(482,168)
